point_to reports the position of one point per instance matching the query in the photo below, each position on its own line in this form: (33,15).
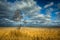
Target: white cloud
(8,20)
(40,15)
(57,13)
(29,7)
(48,5)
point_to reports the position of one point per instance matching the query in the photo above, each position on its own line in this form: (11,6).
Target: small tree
(58,18)
(17,17)
(24,22)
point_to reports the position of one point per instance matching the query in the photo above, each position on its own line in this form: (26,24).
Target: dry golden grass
(27,33)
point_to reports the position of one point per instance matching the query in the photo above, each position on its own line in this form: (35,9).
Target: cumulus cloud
(25,8)
(28,7)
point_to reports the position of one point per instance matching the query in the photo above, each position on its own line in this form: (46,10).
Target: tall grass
(30,34)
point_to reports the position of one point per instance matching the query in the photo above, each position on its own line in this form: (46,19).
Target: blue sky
(44,2)
(35,12)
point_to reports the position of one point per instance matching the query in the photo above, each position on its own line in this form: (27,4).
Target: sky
(34,12)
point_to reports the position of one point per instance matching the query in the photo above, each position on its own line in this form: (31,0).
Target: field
(29,33)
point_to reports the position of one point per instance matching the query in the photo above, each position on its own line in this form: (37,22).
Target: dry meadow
(29,33)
